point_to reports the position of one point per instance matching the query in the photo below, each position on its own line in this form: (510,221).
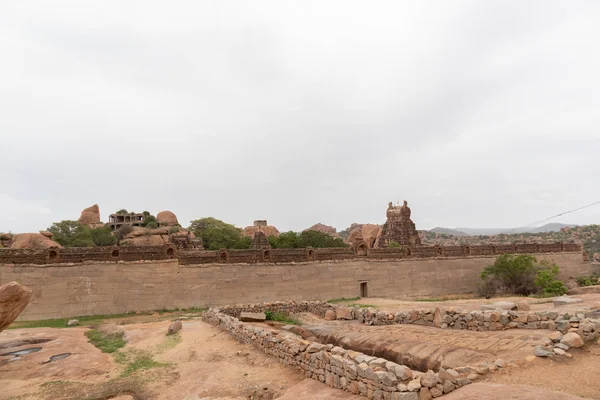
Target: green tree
(217,234)
(515,273)
(103,236)
(71,234)
(316,239)
(122,211)
(547,282)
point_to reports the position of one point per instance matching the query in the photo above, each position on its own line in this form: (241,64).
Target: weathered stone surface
(398,227)
(414,385)
(429,379)
(330,315)
(565,300)
(262,226)
(555,336)
(523,305)
(90,215)
(572,339)
(542,352)
(13,300)
(32,241)
(253,317)
(559,352)
(562,346)
(343,313)
(73,322)
(319,227)
(425,394)
(167,218)
(174,327)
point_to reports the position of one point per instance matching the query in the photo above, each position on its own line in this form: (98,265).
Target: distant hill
(448,231)
(553,227)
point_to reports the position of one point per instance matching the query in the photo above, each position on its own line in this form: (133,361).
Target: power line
(554,216)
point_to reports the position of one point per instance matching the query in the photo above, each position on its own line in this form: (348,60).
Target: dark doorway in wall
(267,256)
(170,252)
(311,255)
(361,250)
(223,256)
(53,255)
(364,291)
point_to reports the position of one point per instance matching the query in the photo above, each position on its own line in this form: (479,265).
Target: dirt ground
(203,362)
(590,301)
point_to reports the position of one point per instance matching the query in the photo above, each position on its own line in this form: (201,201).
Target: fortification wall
(252,256)
(110,287)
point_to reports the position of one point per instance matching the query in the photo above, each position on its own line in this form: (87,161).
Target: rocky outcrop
(13,300)
(167,218)
(5,239)
(260,225)
(367,233)
(146,237)
(330,230)
(90,216)
(33,241)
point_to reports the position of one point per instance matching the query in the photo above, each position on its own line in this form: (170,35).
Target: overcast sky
(478,113)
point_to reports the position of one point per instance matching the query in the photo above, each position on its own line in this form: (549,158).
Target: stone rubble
(354,372)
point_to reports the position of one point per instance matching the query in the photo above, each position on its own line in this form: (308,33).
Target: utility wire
(554,216)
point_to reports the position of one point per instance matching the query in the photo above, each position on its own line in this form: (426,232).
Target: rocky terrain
(588,235)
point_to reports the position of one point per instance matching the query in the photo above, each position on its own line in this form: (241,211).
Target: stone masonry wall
(109,287)
(191,256)
(357,373)
(585,323)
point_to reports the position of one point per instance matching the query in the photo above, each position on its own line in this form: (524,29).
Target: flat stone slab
(565,300)
(501,305)
(253,317)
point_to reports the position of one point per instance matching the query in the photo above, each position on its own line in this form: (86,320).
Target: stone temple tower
(399,227)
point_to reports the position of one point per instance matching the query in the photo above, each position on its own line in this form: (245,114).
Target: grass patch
(137,361)
(107,343)
(343,300)
(99,319)
(433,299)
(62,322)
(169,342)
(281,317)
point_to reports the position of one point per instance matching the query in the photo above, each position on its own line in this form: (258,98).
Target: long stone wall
(110,287)
(57,255)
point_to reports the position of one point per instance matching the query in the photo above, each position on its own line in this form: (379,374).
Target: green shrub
(591,280)
(152,225)
(547,282)
(515,274)
(123,231)
(394,244)
(174,229)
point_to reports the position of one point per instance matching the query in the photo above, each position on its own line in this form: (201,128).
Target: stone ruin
(260,226)
(260,241)
(399,227)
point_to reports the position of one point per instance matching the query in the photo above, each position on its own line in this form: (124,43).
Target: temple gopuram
(398,227)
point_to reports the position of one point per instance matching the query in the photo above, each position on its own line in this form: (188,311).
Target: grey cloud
(478,113)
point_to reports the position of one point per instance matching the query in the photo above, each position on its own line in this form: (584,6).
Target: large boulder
(330,230)
(90,215)
(167,218)
(13,300)
(268,230)
(367,233)
(32,241)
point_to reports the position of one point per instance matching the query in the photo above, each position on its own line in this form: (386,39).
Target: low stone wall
(585,323)
(286,307)
(354,372)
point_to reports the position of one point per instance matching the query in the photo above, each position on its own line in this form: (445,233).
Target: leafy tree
(515,273)
(547,282)
(71,234)
(122,211)
(217,234)
(149,221)
(103,236)
(291,240)
(123,231)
